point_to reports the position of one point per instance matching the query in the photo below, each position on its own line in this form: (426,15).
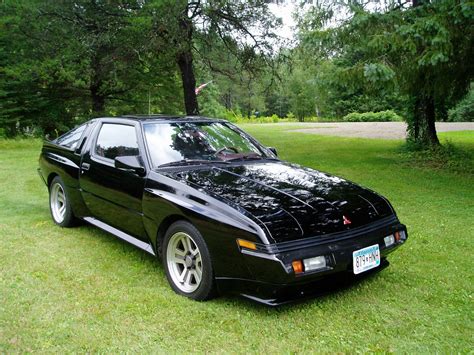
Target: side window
(71,138)
(116,140)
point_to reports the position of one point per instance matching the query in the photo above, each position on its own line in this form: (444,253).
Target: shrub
(236,117)
(291,117)
(464,110)
(382,116)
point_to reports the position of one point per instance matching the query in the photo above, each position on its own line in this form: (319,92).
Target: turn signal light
(297,266)
(397,236)
(246,244)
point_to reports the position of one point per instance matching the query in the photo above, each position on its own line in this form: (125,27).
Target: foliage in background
(63,62)
(240,30)
(425,50)
(382,116)
(464,110)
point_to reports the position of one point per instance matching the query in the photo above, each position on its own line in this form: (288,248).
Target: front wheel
(187,262)
(59,204)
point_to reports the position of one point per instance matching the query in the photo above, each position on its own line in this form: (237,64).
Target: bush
(382,116)
(464,110)
(236,117)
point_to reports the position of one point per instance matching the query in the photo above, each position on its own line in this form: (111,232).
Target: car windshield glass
(198,141)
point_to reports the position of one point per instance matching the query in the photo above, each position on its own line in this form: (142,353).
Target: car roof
(162,118)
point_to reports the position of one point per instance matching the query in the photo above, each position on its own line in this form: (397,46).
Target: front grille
(284,247)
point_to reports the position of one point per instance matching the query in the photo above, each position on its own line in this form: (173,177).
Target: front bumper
(280,294)
(274,281)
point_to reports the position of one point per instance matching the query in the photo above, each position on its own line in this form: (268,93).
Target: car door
(114,195)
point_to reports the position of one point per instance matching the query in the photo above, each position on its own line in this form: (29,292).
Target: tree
(65,60)
(425,49)
(241,28)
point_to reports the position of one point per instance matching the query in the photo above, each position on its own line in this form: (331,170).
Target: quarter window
(71,138)
(116,140)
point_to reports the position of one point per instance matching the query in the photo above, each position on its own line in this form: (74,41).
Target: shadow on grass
(114,243)
(451,157)
(322,291)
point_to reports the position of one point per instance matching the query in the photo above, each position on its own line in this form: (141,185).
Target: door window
(116,140)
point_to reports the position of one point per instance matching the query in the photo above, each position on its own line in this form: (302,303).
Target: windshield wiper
(246,157)
(191,162)
(250,157)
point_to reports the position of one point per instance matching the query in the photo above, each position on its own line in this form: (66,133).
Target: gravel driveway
(384,130)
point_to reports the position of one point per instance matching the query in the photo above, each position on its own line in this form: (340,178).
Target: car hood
(291,202)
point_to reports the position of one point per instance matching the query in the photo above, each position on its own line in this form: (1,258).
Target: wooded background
(63,62)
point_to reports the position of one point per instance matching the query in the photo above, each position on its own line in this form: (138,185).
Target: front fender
(219,224)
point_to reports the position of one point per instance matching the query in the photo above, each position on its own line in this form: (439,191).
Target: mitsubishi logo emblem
(346,220)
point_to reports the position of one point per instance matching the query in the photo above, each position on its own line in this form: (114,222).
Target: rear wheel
(59,204)
(187,262)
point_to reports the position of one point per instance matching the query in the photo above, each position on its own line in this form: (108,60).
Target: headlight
(316,263)
(389,240)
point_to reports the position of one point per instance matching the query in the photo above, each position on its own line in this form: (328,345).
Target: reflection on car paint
(290,201)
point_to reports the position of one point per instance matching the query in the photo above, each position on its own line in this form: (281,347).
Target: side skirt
(122,235)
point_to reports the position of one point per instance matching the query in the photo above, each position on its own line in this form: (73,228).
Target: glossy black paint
(289,201)
(130,163)
(289,211)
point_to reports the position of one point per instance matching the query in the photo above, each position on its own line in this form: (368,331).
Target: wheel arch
(163,227)
(51,177)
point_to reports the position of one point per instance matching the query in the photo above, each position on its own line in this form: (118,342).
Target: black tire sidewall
(69,218)
(206,289)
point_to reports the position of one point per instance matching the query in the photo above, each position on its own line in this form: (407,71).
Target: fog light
(389,240)
(318,262)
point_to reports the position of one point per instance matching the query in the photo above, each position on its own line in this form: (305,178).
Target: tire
(187,262)
(60,205)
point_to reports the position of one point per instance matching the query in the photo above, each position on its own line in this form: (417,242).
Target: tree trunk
(98,99)
(424,129)
(98,102)
(416,120)
(430,116)
(228,100)
(185,63)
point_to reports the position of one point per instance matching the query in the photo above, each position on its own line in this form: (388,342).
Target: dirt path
(384,130)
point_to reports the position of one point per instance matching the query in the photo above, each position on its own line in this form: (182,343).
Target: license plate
(366,258)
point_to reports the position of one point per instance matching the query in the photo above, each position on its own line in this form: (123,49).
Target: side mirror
(130,163)
(273,150)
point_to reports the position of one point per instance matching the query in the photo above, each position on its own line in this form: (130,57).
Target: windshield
(183,142)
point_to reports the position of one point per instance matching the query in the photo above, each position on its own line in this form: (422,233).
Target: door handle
(85,166)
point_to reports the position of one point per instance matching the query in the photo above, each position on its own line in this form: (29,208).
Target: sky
(284,11)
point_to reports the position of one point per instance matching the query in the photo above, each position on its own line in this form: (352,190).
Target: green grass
(82,290)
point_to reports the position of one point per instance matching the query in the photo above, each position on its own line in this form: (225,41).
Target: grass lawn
(82,290)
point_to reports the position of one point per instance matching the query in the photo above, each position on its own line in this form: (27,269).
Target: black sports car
(221,210)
